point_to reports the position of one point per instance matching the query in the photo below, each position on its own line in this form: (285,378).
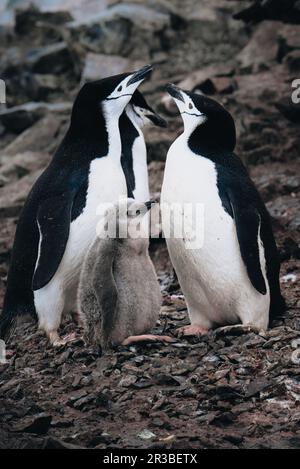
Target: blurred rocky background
(232,390)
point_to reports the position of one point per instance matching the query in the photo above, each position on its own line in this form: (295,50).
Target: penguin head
(132,212)
(143,115)
(207,123)
(107,97)
(137,222)
(124,219)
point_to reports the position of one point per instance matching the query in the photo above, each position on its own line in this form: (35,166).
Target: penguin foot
(78,319)
(237,329)
(57,341)
(133,339)
(191,330)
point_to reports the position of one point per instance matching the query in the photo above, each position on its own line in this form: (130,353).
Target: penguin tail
(8,322)
(277,308)
(12,310)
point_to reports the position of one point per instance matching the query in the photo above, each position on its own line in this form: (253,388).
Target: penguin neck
(211,139)
(205,140)
(85,140)
(133,119)
(114,138)
(129,131)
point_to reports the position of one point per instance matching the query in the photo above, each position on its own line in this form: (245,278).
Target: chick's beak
(150,203)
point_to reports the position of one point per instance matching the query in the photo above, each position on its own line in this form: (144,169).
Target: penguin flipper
(248,222)
(53,220)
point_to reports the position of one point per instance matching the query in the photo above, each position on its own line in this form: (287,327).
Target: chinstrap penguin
(58,222)
(234,277)
(119,296)
(136,116)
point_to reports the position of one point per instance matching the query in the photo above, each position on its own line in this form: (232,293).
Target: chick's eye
(138,212)
(120,88)
(190,106)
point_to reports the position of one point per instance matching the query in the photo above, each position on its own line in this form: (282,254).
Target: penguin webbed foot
(191,330)
(134,339)
(57,341)
(238,329)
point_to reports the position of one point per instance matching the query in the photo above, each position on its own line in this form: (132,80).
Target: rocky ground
(232,388)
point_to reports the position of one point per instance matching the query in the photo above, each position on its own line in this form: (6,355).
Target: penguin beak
(150,203)
(140,75)
(157,120)
(175,92)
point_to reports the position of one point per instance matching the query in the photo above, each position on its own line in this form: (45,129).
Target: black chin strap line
(191,114)
(118,97)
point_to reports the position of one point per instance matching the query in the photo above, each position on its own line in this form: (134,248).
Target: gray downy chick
(119,295)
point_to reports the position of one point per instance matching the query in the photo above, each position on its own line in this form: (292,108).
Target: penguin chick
(141,113)
(119,295)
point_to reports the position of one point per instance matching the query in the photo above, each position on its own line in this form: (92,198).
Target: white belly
(213,277)
(106,184)
(139,155)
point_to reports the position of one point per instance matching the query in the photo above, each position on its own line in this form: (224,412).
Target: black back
(64,180)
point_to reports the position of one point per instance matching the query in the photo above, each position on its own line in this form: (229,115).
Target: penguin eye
(138,212)
(190,106)
(120,88)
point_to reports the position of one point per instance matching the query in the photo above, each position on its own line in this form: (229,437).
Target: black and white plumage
(119,296)
(137,115)
(234,277)
(58,222)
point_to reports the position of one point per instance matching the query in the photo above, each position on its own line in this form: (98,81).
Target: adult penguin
(227,264)
(58,222)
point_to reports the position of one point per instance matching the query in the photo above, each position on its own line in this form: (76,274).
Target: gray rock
(56,443)
(158,147)
(11,61)
(146,435)
(78,8)
(41,86)
(218,76)
(135,13)
(289,38)
(20,165)
(290,110)
(124,29)
(38,424)
(98,66)
(292,60)
(13,195)
(127,381)
(31,21)
(40,137)
(19,118)
(264,40)
(53,59)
